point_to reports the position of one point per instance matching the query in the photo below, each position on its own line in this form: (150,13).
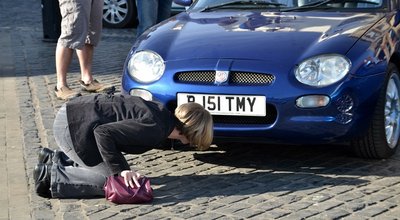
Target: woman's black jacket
(103,126)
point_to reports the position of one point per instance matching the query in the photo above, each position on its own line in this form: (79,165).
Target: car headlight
(146,66)
(322,70)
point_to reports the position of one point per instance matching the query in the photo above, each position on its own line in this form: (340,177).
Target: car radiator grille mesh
(235,78)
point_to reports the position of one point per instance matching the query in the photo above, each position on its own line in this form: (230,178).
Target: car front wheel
(119,13)
(382,139)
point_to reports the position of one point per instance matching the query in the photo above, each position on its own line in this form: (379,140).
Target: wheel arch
(373,143)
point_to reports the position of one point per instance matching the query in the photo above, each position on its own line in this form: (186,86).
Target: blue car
(279,71)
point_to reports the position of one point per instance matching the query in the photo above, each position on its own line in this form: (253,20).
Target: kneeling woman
(94,131)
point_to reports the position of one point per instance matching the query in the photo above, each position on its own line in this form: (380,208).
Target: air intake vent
(235,78)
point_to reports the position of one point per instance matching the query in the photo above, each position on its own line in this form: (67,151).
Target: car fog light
(146,95)
(312,101)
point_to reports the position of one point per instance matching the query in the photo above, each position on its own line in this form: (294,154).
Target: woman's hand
(131,178)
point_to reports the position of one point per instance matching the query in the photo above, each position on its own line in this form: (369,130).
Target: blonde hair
(197,124)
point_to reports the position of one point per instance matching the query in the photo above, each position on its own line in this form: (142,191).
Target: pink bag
(117,192)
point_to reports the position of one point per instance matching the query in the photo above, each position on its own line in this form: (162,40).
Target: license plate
(240,105)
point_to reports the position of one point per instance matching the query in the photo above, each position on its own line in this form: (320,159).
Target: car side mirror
(183,2)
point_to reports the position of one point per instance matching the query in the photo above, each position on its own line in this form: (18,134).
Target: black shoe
(61,158)
(41,175)
(45,156)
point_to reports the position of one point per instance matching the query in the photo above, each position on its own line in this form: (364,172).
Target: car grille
(240,120)
(235,78)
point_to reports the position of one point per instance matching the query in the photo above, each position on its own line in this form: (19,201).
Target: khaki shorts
(81,22)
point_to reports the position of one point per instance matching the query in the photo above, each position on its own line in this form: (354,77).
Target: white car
(122,13)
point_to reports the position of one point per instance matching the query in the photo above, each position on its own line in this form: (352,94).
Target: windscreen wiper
(317,4)
(241,2)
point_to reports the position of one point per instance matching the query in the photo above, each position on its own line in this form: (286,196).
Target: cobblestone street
(233,181)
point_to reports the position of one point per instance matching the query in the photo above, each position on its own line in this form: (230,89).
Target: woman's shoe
(41,175)
(45,156)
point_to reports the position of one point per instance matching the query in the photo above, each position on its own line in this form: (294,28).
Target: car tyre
(119,13)
(382,138)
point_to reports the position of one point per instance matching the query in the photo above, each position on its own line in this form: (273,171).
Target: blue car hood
(279,37)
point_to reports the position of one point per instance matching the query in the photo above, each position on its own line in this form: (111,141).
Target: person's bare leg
(85,57)
(63,60)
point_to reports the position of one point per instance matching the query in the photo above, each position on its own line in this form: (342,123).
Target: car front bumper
(348,113)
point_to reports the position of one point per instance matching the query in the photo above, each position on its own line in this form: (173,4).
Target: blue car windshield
(208,5)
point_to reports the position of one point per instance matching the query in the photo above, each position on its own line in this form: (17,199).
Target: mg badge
(221,77)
